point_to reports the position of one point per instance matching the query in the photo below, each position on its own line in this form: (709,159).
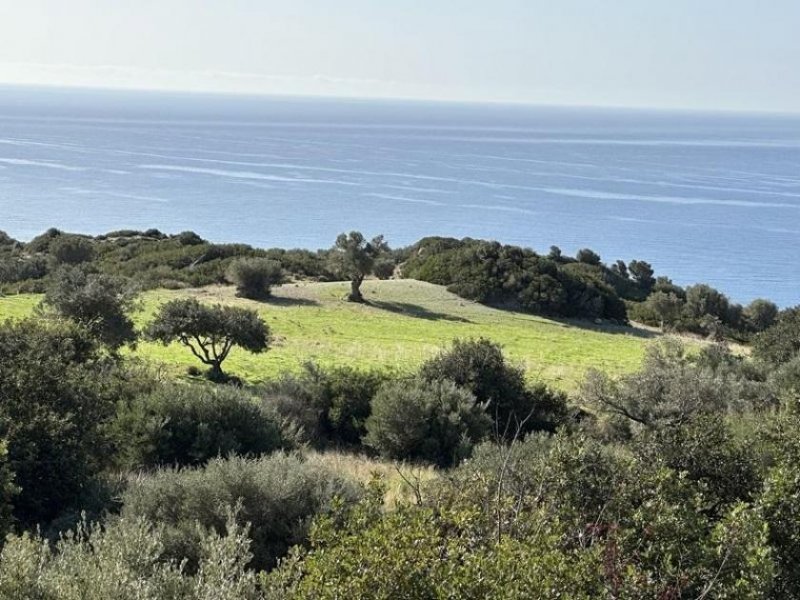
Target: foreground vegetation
(460,475)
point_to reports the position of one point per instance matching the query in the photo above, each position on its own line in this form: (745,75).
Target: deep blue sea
(703,197)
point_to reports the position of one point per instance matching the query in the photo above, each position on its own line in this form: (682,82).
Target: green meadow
(403,323)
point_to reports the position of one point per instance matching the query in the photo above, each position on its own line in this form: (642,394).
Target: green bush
(7,491)
(190,424)
(781,342)
(253,277)
(125,560)
(511,276)
(384,268)
(625,530)
(57,399)
(100,303)
(276,495)
(480,367)
(330,406)
(435,421)
(71,249)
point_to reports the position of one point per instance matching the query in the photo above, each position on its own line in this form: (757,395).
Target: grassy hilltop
(404,322)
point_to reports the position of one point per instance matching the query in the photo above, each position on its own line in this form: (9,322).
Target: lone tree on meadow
(210,332)
(254,277)
(354,257)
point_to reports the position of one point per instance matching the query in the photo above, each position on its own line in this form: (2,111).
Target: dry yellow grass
(399,478)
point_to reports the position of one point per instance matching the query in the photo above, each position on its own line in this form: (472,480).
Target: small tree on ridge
(355,258)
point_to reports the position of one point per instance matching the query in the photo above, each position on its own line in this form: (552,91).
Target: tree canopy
(209,331)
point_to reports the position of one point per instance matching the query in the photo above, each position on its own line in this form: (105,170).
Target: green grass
(404,323)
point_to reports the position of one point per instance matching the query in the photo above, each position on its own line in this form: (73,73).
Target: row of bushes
(153,259)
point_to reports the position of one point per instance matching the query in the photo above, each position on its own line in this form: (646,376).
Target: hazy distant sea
(704,197)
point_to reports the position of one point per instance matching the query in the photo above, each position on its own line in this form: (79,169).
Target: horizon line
(399,99)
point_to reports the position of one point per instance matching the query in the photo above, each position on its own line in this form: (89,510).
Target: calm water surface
(703,197)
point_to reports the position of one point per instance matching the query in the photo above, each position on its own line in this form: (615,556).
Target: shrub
(384,268)
(124,560)
(672,388)
(189,238)
(277,495)
(480,367)
(781,342)
(330,406)
(760,314)
(429,421)
(190,424)
(622,531)
(706,451)
(57,398)
(585,255)
(100,303)
(71,249)
(7,491)
(253,277)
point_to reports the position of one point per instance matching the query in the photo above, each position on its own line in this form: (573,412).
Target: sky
(695,54)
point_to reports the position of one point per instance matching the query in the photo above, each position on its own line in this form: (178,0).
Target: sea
(704,197)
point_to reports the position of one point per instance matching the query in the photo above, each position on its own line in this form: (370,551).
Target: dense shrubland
(680,480)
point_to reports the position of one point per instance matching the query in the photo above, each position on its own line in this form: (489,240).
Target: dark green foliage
(480,367)
(667,307)
(189,238)
(277,495)
(781,342)
(15,267)
(435,422)
(56,396)
(210,332)
(41,243)
(707,451)
(71,249)
(327,406)
(253,277)
(587,256)
(384,268)
(7,491)
(100,303)
(642,273)
(516,277)
(7,240)
(190,424)
(760,314)
(353,257)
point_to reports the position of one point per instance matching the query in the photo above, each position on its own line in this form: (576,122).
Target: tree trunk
(215,373)
(355,290)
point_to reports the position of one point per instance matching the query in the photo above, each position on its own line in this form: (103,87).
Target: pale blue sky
(704,54)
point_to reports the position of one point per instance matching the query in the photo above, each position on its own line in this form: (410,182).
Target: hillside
(404,322)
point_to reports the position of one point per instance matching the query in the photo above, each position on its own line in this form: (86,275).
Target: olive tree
(209,331)
(354,257)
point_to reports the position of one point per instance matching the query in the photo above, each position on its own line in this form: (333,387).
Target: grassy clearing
(399,478)
(404,323)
